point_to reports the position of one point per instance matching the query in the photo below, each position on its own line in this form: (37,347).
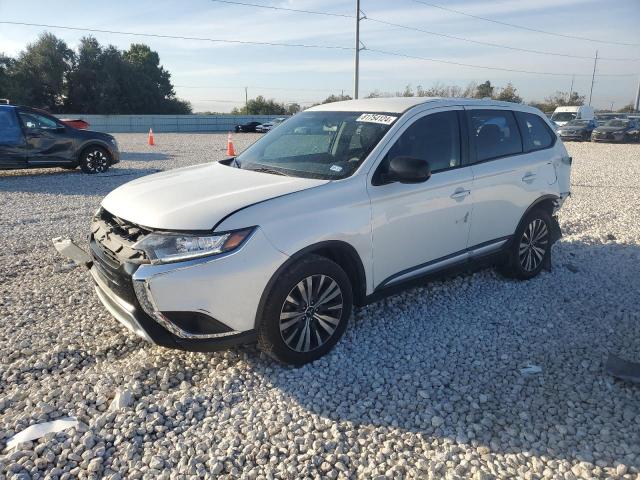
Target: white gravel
(426,384)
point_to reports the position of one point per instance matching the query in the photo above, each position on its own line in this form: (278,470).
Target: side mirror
(408,170)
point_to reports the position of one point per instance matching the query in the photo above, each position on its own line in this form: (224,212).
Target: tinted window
(535,132)
(33,120)
(9,129)
(434,138)
(495,134)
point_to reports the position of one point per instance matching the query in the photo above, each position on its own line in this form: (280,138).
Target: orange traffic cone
(230,150)
(150,140)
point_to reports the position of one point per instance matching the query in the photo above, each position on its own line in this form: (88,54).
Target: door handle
(460,193)
(529,177)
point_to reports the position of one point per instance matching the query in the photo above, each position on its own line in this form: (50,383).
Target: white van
(562,115)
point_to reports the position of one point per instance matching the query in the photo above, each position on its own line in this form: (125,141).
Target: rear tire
(306,311)
(530,247)
(95,160)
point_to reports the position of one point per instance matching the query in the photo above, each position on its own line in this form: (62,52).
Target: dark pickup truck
(31,138)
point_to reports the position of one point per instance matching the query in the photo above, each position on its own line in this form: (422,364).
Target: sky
(213,76)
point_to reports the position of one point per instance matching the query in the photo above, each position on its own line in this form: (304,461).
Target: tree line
(94,79)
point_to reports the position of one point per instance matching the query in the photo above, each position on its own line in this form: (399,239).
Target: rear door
(508,174)
(48,142)
(13,148)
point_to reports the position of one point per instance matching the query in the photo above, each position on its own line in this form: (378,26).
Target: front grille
(115,237)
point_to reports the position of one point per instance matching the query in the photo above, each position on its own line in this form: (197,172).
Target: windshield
(563,116)
(578,123)
(325,145)
(616,123)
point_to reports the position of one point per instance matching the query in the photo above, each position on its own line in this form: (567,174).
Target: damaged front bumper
(129,301)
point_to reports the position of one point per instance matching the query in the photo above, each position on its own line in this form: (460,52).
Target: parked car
(76,123)
(31,138)
(562,115)
(265,127)
(279,243)
(577,130)
(617,130)
(247,127)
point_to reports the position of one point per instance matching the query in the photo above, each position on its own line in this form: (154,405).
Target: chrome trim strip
(149,306)
(487,248)
(428,268)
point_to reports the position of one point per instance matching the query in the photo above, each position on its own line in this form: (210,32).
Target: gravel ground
(426,384)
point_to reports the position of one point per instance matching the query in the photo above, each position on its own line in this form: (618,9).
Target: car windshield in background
(578,123)
(563,116)
(326,145)
(616,123)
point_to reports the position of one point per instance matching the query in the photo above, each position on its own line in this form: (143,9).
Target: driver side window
(40,122)
(434,138)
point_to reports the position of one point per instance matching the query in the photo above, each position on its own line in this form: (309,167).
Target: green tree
(336,98)
(509,94)
(39,73)
(261,106)
(86,80)
(5,79)
(293,108)
(484,90)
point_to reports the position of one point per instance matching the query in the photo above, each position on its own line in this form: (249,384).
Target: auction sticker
(376,118)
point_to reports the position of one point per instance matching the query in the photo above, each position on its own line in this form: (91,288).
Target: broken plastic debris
(531,369)
(68,249)
(40,430)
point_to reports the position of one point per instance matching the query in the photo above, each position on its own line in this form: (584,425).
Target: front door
(13,149)
(47,140)
(421,227)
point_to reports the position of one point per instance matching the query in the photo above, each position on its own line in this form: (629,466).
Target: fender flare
(359,290)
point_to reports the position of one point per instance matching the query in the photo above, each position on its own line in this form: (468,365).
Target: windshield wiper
(268,170)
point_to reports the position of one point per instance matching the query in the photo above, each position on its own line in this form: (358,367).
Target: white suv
(339,205)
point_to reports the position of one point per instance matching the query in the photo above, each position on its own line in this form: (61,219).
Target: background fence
(167,123)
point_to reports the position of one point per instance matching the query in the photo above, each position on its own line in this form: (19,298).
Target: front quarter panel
(336,211)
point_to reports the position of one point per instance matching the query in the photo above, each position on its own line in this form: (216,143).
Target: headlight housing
(113,142)
(176,247)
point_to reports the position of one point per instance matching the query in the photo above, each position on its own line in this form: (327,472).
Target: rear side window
(10,132)
(535,132)
(434,138)
(494,133)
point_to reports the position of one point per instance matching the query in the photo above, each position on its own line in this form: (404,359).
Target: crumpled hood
(197,198)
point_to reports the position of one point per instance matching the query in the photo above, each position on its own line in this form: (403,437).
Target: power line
(513,25)
(256,87)
(179,37)
(479,42)
(416,29)
(449,62)
(298,45)
(271,7)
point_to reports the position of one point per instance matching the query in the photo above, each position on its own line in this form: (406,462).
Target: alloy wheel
(311,313)
(97,161)
(533,245)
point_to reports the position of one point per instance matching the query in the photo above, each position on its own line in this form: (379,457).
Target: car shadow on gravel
(64,182)
(144,156)
(444,361)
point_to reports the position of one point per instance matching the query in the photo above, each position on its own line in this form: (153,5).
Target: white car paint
(579,112)
(391,227)
(198,197)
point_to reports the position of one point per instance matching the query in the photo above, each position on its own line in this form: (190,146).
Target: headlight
(113,142)
(169,247)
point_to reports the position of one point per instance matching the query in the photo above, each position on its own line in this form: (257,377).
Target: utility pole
(357,59)
(246,101)
(573,77)
(593,76)
(638,97)
(612,106)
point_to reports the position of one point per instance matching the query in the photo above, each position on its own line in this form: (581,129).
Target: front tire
(95,160)
(531,246)
(306,312)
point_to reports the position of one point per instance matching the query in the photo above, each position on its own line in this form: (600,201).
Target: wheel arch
(546,203)
(340,252)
